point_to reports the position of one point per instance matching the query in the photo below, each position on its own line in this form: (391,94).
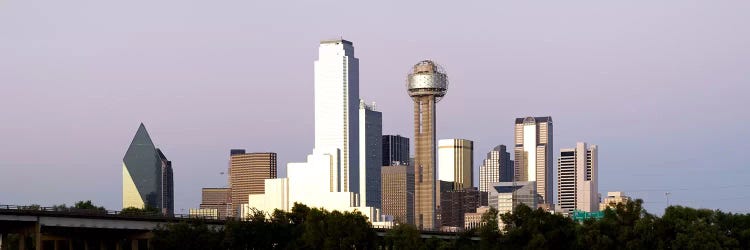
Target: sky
(660,86)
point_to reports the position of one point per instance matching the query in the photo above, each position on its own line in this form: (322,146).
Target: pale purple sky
(661,86)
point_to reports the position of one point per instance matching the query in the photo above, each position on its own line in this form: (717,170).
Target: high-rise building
(370,154)
(167,184)
(247,175)
(455,162)
(427,84)
(454,204)
(337,109)
(147,175)
(218,199)
(497,167)
(395,150)
(577,179)
(330,177)
(533,154)
(398,193)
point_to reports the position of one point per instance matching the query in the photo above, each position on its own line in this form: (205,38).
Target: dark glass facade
(395,149)
(455,203)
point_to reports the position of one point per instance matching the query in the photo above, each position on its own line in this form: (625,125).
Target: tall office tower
(329,178)
(337,110)
(398,193)
(456,161)
(577,178)
(218,199)
(147,175)
(395,150)
(497,167)
(370,154)
(167,184)
(533,155)
(427,84)
(247,175)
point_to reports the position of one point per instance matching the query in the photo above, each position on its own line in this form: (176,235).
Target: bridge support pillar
(3,241)
(22,242)
(38,236)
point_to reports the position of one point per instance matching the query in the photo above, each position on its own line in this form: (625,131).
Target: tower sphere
(427,78)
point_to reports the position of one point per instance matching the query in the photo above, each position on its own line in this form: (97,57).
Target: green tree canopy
(624,226)
(87,205)
(187,236)
(404,236)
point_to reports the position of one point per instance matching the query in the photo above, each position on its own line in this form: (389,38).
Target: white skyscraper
(577,178)
(337,110)
(330,178)
(370,154)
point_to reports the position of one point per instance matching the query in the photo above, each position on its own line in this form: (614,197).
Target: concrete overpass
(48,228)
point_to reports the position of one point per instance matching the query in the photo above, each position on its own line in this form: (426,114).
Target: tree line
(624,226)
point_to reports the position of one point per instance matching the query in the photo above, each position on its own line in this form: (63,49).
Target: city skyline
(100,88)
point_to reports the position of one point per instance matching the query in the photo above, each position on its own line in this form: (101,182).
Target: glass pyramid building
(147,175)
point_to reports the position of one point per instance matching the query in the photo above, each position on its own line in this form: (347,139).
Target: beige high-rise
(533,155)
(398,192)
(427,84)
(247,174)
(455,161)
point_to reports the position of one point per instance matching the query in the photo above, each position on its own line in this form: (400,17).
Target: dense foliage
(626,226)
(146,211)
(302,228)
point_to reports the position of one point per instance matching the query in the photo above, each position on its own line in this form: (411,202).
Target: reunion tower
(427,84)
